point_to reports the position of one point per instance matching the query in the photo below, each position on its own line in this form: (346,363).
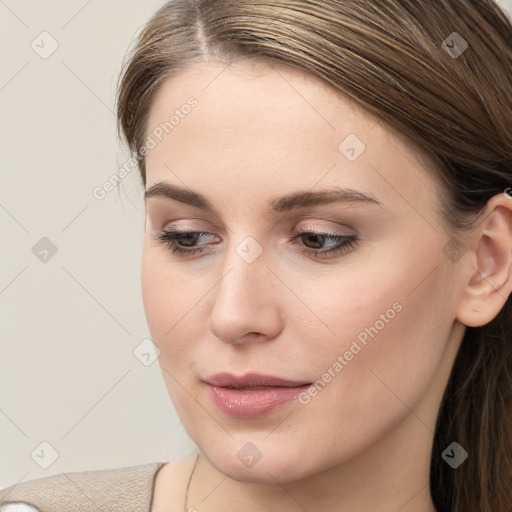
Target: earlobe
(490,267)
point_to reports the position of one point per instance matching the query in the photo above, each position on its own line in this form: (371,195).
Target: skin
(365,441)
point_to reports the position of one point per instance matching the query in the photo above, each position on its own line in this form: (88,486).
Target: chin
(255,460)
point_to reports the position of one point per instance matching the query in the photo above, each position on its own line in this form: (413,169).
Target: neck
(392,474)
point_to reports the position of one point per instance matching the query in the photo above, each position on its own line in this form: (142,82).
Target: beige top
(128,489)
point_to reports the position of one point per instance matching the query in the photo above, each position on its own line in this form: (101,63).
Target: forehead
(257,117)
(256,95)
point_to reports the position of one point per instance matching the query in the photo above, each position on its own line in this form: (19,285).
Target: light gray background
(68,326)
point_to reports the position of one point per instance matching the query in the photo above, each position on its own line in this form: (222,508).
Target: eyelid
(317,213)
(307,225)
(324,230)
(193,225)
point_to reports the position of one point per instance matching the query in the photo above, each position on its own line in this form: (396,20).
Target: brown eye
(315,241)
(176,241)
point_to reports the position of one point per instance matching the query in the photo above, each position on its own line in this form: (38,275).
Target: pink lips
(251,395)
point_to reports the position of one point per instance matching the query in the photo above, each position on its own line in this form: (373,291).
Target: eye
(172,239)
(182,242)
(342,243)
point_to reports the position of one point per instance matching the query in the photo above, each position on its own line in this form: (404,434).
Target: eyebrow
(292,201)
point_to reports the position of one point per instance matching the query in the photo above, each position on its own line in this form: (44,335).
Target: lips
(251,380)
(252,395)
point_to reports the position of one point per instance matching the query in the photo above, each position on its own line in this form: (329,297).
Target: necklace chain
(188,483)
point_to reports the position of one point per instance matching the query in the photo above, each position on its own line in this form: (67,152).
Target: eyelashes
(178,243)
(171,239)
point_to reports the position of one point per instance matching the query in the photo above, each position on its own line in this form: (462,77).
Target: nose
(246,307)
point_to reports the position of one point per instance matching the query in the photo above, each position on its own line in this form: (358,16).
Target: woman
(327,257)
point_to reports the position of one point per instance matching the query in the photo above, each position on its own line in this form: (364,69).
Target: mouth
(252,395)
(251,381)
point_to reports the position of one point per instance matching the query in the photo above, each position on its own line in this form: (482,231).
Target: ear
(489,268)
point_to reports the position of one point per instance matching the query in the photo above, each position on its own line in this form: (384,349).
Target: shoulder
(125,489)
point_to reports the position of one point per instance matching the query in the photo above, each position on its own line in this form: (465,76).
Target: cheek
(152,283)
(159,294)
(174,305)
(389,326)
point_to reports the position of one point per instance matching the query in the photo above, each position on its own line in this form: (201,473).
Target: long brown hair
(393,58)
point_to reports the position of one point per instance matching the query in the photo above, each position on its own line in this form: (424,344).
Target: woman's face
(356,293)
